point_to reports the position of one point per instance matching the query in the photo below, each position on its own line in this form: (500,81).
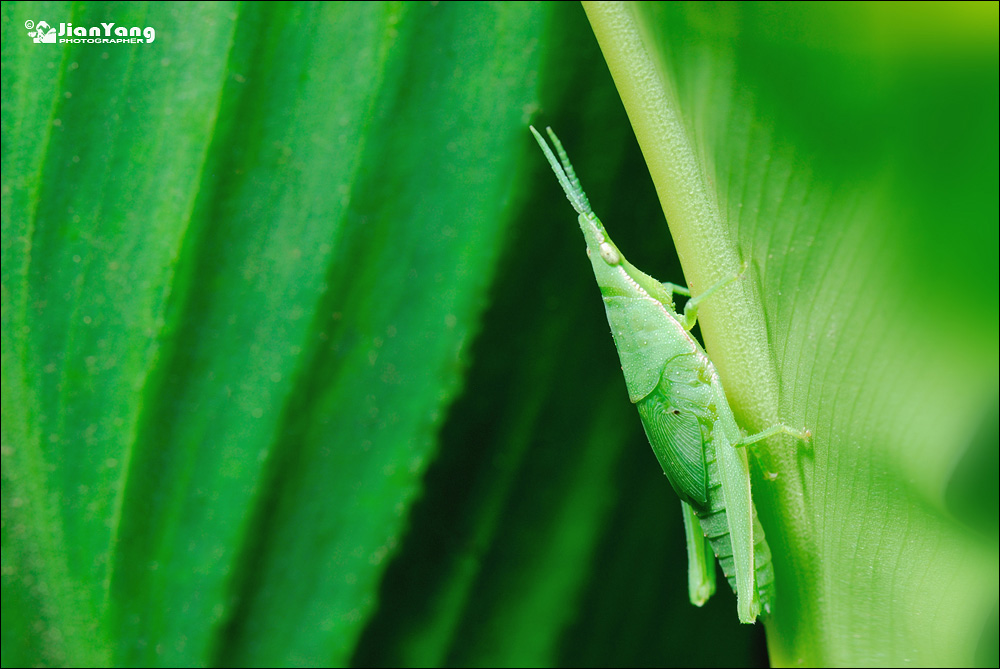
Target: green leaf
(241,266)
(857,173)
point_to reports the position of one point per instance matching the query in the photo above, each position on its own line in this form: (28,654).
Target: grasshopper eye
(610,254)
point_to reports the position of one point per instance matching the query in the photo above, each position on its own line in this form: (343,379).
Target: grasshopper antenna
(564,172)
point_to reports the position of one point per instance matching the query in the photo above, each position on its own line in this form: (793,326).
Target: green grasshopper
(684,411)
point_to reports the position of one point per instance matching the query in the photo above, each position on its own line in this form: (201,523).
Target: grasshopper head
(614,273)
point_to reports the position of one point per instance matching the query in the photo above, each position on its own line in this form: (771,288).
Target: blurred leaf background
(302,363)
